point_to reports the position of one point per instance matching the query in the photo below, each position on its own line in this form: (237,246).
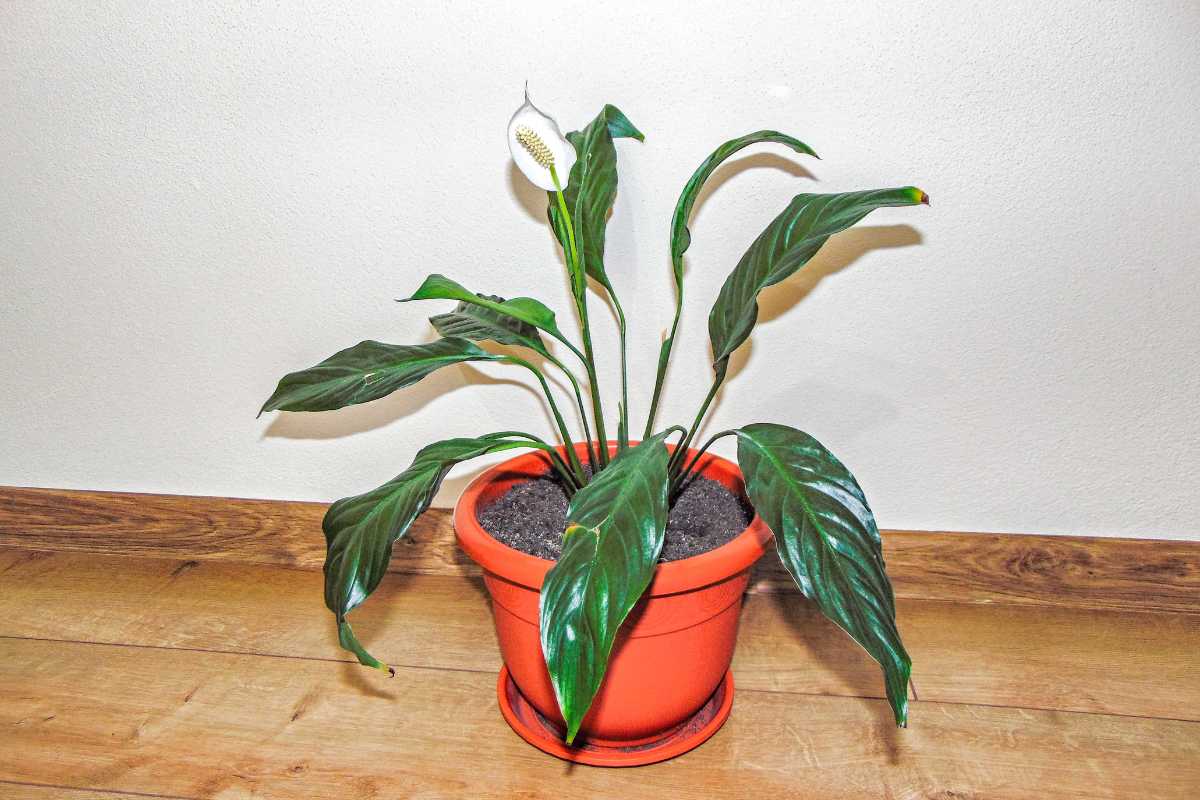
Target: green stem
(596,410)
(680,453)
(578,279)
(569,481)
(587,430)
(623,418)
(597,406)
(664,358)
(682,430)
(579,290)
(558,417)
(686,475)
(583,359)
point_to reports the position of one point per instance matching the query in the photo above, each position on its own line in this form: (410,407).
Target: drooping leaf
(482,324)
(786,245)
(367,371)
(827,539)
(592,188)
(681,236)
(360,530)
(524,309)
(615,529)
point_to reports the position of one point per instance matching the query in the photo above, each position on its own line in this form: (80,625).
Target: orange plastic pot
(673,653)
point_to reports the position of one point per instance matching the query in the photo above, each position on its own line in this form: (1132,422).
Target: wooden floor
(178,647)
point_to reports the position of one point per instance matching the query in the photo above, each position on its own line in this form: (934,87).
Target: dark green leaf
(615,528)
(360,531)
(827,539)
(368,371)
(524,309)
(786,245)
(480,324)
(681,237)
(592,188)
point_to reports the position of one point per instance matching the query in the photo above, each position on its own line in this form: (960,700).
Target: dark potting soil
(532,516)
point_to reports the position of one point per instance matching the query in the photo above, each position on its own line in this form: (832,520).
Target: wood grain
(203,725)
(28,791)
(1139,664)
(178,647)
(1136,575)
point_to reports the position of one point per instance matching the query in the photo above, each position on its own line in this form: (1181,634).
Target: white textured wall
(195,201)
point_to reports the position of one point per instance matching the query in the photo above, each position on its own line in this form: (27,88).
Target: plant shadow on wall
(864,408)
(620,490)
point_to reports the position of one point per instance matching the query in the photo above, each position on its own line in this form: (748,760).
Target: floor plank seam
(1045,709)
(250,653)
(746,690)
(114,792)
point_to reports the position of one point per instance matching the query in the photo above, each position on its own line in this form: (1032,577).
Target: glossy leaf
(523,309)
(786,245)
(360,530)
(681,236)
(480,324)
(827,539)
(615,529)
(592,188)
(367,371)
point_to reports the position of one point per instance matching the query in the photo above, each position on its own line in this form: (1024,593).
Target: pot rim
(671,577)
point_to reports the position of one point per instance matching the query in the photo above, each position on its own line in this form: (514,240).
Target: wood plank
(413,620)
(28,791)
(1133,574)
(1139,664)
(1067,659)
(219,725)
(165,526)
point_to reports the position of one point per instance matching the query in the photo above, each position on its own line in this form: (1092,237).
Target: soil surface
(532,516)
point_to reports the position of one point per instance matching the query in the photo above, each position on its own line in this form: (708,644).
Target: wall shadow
(839,253)
(731,169)
(531,199)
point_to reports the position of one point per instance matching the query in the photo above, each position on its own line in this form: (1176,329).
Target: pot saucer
(531,726)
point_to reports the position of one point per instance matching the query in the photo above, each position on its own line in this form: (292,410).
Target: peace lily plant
(824,530)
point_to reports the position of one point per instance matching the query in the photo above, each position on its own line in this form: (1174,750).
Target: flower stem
(578,279)
(587,430)
(579,290)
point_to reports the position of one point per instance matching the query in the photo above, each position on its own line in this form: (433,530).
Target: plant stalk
(686,475)
(570,482)
(558,417)
(587,430)
(680,453)
(579,290)
(664,358)
(590,364)
(623,417)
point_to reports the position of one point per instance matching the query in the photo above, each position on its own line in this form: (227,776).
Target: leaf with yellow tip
(787,244)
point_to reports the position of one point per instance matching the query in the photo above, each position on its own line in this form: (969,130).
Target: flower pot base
(531,726)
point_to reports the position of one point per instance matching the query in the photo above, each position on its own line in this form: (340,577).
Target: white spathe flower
(537,144)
